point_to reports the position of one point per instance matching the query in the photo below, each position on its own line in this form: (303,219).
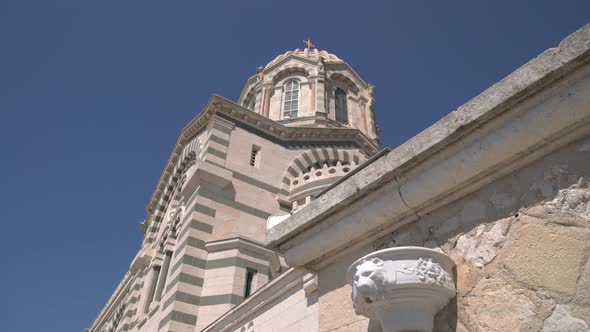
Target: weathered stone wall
(522,249)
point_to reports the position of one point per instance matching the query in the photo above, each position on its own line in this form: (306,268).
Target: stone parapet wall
(521,246)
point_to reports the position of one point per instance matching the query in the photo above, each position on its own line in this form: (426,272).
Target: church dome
(312,54)
(311,88)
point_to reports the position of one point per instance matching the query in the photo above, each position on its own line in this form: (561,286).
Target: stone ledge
(245,244)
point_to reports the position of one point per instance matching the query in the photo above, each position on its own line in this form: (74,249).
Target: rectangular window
(250,273)
(291,99)
(255,156)
(341,107)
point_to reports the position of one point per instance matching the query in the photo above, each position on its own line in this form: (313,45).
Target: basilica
(283,212)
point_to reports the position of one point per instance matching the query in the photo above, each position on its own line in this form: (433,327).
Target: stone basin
(402,287)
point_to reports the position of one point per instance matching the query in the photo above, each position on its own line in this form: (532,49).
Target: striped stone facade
(205,232)
(234,166)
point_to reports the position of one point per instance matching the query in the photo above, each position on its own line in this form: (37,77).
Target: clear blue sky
(94,93)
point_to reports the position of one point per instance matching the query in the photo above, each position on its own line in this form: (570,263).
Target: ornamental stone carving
(402,287)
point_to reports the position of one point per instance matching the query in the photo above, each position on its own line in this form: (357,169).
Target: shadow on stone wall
(520,245)
(374,326)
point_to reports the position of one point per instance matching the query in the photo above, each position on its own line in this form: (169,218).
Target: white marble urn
(402,287)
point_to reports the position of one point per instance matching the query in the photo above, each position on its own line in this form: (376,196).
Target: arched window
(291,99)
(341,107)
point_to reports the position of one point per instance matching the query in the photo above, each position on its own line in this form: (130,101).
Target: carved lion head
(369,279)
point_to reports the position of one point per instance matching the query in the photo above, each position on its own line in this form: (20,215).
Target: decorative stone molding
(114,301)
(402,287)
(242,243)
(222,107)
(328,169)
(247,245)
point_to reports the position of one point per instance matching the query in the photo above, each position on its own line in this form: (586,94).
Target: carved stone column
(402,287)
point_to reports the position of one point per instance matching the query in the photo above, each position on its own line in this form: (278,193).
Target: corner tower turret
(311,88)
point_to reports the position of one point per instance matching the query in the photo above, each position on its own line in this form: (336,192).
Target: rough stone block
(467,277)
(561,320)
(583,288)
(573,201)
(544,257)
(496,306)
(479,247)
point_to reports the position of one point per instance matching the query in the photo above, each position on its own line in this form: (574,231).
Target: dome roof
(312,54)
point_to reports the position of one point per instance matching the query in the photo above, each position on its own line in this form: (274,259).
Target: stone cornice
(333,64)
(222,106)
(352,71)
(113,301)
(320,119)
(328,65)
(287,58)
(249,83)
(245,244)
(138,263)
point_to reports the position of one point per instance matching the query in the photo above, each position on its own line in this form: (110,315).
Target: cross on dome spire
(308,43)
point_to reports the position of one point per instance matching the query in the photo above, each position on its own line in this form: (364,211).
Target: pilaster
(217,140)
(228,265)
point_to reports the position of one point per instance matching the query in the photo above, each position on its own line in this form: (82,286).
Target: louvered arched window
(341,107)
